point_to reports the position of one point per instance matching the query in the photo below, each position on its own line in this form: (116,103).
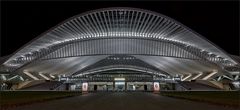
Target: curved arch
(128,46)
(119,23)
(121,67)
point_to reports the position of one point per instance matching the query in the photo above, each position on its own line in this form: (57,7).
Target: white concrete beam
(45,77)
(219,78)
(227,77)
(209,75)
(30,75)
(236,77)
(13,77)
(52,76)
(197,76)
(188,76)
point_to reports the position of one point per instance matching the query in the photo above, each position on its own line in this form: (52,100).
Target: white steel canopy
(145,35)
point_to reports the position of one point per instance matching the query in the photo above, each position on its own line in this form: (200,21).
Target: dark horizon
(23,21)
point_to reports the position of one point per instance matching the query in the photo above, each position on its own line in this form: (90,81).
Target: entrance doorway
(145,87)
(95,87)
(120,86)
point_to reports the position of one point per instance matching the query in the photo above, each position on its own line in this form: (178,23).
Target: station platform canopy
(121,38)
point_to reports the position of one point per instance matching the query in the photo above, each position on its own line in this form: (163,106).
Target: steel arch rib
(112,23)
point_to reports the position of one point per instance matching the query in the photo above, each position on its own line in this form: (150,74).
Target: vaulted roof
(120,30)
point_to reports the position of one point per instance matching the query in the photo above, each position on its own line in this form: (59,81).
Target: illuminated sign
(84,87)
(119,79)
(156,86)
(120,83)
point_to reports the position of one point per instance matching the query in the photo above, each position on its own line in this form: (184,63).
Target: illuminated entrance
(120,84)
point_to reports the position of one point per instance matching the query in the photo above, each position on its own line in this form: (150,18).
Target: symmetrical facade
(121,39)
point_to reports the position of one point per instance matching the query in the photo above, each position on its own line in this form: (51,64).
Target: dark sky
(23,21)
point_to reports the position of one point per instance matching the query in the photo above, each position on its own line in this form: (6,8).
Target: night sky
(23,21)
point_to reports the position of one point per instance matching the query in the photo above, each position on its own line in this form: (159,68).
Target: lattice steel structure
(126,38)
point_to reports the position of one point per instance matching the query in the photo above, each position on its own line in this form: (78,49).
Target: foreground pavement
(121,101)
